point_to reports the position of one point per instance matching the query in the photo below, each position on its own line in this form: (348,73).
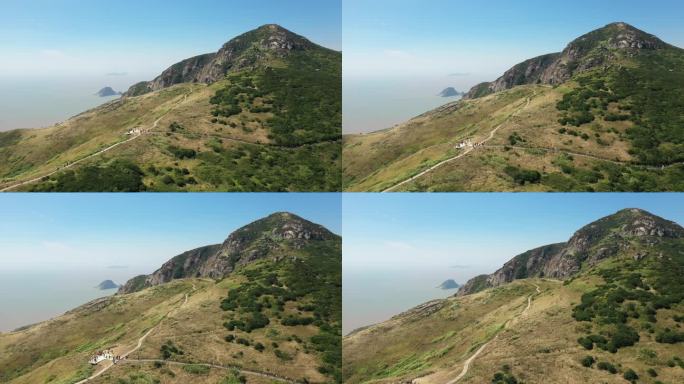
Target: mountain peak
(273,237)
(251,49)
(614,36)
(630,231)
(601,48)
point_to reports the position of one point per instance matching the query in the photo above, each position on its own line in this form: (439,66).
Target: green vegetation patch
(313,281)
(304,98)
(117,176)
(630,298)
(262,168)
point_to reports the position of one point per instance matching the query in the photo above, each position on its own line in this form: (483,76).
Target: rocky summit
(248,50)
(270,237)
(630,231)
(600,48)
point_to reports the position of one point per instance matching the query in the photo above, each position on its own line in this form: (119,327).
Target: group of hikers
(106,354)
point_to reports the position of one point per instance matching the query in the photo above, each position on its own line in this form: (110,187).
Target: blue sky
(483,38)
(140,231)
(75,37)
(474,232)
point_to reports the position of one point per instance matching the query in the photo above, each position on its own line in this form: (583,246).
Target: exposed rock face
(596,49)
(590,245)
(248,50)
(269,237)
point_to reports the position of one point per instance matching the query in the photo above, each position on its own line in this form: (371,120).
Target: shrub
(196,369)
(182,153)
(630,375)
(605,366)
(669,336)
(588,361)
(586,343)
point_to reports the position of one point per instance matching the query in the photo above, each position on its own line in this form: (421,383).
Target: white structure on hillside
(134,131)
(467,143)
(102,356)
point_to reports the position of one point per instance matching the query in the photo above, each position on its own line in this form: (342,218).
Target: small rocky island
(107,284)
(450,92)
(449,284)
(107,92)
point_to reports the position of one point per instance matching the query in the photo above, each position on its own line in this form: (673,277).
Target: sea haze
(28,297)
(371,104)
(42,102)
(371,296)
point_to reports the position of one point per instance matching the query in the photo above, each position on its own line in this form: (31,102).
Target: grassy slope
(540,346)
(61,346)
(224,157)
(646,135)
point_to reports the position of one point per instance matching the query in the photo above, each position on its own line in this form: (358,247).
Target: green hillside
(272,319)
(603,115)
(269,121)
(616,319)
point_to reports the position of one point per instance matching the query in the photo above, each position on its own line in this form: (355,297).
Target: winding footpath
(98,153)
(126,360)
(466,365)
(464,153)
(140,342)
(226,367)
(586,155)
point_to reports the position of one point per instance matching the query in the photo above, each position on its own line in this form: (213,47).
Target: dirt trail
(70,165)
(586,155)
(470,360)
(467,151)
(227,367)
(140,341)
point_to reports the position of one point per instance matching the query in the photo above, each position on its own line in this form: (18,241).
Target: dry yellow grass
(383,159)
(540,345)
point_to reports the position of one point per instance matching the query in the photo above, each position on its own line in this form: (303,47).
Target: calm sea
(369,296)
(29,297)
(370,104)
(42,102)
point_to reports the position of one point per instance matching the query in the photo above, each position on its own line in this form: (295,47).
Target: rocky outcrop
(449,284)
(270,237)
(107,284)
(588,246)
(107,91)
(450,92)
(596,49)
(251,49)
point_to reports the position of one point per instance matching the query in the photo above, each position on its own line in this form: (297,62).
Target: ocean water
(372,296)
(42,102)
(28,297)
(370,104)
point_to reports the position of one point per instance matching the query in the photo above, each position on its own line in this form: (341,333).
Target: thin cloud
(456,74)
(117,266)
(53,54)
(116,74)
(397,54)
(457,266)
(56,246)
(400,245)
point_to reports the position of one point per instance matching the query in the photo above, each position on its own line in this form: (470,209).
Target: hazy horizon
(477,41)
(57,247)
(398,247)
(45,44)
